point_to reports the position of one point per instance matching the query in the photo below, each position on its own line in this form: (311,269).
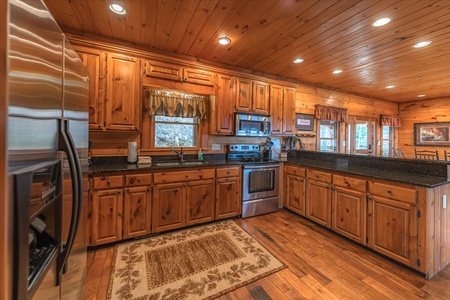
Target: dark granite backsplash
(413,166)
(112,160)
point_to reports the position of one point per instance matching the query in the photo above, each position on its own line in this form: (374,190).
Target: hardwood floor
(321,265)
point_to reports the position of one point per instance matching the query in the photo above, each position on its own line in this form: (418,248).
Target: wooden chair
(398,153)
(427,154)
(446,156)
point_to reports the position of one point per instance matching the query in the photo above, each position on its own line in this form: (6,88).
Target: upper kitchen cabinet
(282,110)
(260,97)
(252,96)
(222,106)
(123,90)
(163,70)
(95,63)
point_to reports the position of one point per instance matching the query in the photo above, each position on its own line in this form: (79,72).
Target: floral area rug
(197,263)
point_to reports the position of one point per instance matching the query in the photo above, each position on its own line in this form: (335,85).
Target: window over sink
(175,132)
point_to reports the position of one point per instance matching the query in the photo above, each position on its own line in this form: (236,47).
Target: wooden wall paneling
(112,143)
(422,111)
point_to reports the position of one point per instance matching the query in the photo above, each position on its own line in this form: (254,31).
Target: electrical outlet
(216,147)
(444,201)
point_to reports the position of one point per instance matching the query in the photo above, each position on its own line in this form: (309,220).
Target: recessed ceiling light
(337,71)
(298,60)
(421,95)
(422,44)
(381,22)
(117,8)
(223,41)
(390,86)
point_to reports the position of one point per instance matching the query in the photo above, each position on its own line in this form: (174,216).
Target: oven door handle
(263,167)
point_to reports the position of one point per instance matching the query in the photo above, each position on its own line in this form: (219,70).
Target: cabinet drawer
(163,70)
(138,179)
(349,182)
(227,172)
(393,192)
(165,177)
(296,171)
(105,182)
(320,176)
(199,76)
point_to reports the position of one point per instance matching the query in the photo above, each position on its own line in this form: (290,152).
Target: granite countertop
(400,177)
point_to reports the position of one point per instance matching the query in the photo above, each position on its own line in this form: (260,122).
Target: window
(175,132)
(361,135)
(387,141)
(328,136)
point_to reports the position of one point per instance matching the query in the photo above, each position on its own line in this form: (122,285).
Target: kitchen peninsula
(396,207)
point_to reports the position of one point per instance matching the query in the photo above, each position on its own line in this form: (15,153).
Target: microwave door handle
(68,146)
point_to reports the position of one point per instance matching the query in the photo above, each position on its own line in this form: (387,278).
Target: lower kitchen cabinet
(136,211)
(106,213)
(318,197)
(349,207)
(200,201)
(169,206)
(295,189)
(228,193)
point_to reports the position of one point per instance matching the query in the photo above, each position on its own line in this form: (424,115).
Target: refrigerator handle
(67,145)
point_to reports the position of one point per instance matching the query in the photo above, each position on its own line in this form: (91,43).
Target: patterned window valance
(174,104)
(331,113)
(390,120)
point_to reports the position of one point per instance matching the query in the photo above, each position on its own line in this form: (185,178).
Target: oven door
(260,181)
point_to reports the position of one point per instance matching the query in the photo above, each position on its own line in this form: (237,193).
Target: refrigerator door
(35,83)
(75,113)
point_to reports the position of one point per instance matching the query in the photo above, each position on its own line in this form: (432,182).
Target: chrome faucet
(179,153)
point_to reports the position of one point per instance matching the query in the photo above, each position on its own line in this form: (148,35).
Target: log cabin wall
(425,111)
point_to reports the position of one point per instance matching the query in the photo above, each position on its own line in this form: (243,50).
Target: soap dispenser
(200,155)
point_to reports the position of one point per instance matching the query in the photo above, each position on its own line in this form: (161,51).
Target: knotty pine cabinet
(282,110)
(182,198)
(318,197)
(295,189)
(114,90)
(228,193)
(252,96)
(392,222)
(222,106)
(164,70)
(260,96)
(120,208)
(348,210)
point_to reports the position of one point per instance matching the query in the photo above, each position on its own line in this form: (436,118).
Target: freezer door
(75,113)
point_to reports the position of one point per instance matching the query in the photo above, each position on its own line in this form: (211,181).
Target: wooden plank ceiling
(267,35)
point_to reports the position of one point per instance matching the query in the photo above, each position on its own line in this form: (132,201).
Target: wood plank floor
(321,265)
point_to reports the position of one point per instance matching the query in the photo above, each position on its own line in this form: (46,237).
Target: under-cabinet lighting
(298,60)
(422,44)
(337,71)
(117,8)
(390,86)
(381,22)
(223,41)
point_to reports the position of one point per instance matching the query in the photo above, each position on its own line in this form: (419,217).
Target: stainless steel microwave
(252,125)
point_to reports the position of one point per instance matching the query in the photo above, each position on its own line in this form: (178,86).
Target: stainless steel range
(260,182)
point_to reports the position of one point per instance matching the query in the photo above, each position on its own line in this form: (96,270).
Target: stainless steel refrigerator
(46,142)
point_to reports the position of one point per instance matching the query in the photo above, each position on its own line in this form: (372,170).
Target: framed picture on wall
(304,122)
(432,134)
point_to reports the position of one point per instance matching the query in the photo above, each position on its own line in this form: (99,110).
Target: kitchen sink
(168,164)
(193,163)
(177,163)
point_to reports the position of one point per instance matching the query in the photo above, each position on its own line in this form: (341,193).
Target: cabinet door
(244,95)
(169,207)
(95,63)
(123,92)
(392,229)
(289,111)
(276,109)
(162,70)
(295,194)
(106,216)
(136,212)
(318,202)
(349,214)
(224,105)
(197,76)
(228,197)
(260,97)
(200,201)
